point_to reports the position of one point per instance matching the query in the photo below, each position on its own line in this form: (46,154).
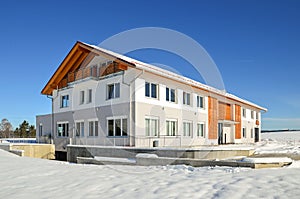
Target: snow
(23,177)
(109,159)
(267,160)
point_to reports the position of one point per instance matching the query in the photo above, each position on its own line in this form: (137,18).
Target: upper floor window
(64,101)
(252,114)
(150,90)
(81,97)
(200,102)
(244,112)
(63,129)
(257,115)
(117,127)
(113,91)
(170,94)
(186,98)
(90,95)
(187,128)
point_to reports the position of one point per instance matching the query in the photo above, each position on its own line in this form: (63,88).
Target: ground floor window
(79,129)
(93,128)
(244,132)
(171,127)
(151,126)
(63,129)
(252,133)
(200,130)
(187,128)
(117,127)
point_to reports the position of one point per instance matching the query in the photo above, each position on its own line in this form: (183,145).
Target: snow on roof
(172,75)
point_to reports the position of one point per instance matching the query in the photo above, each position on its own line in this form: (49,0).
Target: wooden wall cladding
(212,118)
(224,111)
(238,126)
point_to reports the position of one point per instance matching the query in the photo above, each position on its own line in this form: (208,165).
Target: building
(103,98)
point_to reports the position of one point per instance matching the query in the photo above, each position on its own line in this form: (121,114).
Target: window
(251,133)
(200,129)
(244,112)
(171,127)
(40,129)
(244,132)
(113,91)
(257,115)
(64,101)
(170,95)
(93,128)
(187,128)
(117,127)
(150,90)
(252,114)
(200,102)
(151,126)
(80,129)
(81,100)
(63,129)
(186,98)
(90,95)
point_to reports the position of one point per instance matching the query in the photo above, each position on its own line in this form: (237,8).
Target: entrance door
(256,139)
(220,133)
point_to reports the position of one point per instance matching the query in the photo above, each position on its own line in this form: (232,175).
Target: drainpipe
(52,119)
(130,101)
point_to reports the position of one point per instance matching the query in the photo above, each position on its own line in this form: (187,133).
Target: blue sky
(255,45)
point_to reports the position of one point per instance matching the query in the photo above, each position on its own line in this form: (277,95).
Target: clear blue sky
(255,45)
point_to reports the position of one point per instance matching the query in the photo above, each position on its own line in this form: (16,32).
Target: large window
(200,130)
(79,129)
(186,98)
(150,90)
(117,127)
(151,126)
(244,132)
(113,91)
(63,129)
(64,101)
(90,95)
(170,94)
(93,128)
(200,102)
(171,127)
(187,128)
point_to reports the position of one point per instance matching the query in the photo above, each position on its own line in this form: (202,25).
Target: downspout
(52,119)
(130,103)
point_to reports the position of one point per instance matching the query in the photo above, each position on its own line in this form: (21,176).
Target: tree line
(24,130)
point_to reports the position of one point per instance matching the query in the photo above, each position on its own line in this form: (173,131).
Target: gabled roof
(83,52)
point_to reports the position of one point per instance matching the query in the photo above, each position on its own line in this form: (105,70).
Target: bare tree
(5,128)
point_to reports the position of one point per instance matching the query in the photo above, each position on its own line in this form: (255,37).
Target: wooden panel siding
(224,111)
(212,118)
(238,126)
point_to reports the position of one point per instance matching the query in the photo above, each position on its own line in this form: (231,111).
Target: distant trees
(5,128)
(25,130)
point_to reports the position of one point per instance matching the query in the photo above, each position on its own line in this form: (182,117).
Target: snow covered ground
(37,178)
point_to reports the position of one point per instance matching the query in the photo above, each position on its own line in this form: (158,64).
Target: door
(220,133)
(256,139)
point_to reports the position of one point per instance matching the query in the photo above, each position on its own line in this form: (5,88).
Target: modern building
(103,98)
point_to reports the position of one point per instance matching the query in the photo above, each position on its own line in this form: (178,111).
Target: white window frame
(90,96)
(57,129)
(64,103)
(169,94)
(152,132)
(203,129)
(244,112)
(252,133)
(198,101)
(79,132)
(95,131)
(169,131)
(121,118)
(252,114)
(186,100)
(150,90)
(244,132)
(187,132)
(116,92)
(81,97)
